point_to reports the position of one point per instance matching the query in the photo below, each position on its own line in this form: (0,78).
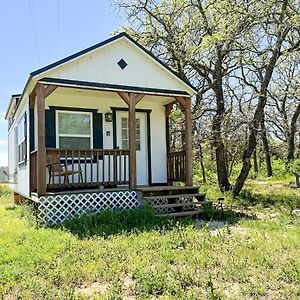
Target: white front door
(141,142)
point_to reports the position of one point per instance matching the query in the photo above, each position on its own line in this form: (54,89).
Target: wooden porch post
(186,104)
(41,148)
(132,100)
(188,143)
(132,142)
(168,110)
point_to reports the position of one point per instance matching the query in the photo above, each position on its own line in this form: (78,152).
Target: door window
(125,133)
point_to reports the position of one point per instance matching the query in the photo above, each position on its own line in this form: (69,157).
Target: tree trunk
(226,159)
(202,163)
(255,164)
(259,111)
(290,135)
(223,181)
(297,180)
(222,173)
(290,148)
(266,148)
(252,141)
(212,151)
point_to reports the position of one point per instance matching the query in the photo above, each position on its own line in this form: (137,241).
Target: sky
(35,33)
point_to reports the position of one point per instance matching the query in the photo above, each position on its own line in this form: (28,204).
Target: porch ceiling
(101,95)
(92,89)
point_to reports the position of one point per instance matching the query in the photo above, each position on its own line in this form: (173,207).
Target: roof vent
(122,64)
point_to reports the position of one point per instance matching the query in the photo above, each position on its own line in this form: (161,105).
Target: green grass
(138,256)
(278,190)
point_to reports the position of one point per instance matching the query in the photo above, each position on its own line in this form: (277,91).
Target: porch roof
(110,87)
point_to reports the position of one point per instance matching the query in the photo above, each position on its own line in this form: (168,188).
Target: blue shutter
(31,129)
(97,131)
(50,128)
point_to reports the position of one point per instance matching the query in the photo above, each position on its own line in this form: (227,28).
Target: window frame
(58,135)
(22,144)
(138,133)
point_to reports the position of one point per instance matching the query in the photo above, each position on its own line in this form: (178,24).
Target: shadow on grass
(109,223)
(228,215)
(268,199)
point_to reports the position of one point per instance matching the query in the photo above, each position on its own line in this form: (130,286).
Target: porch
(95,169)
(66,169)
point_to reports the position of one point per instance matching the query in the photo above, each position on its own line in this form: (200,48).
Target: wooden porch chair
(57,168)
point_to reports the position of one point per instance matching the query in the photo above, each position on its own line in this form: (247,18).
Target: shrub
(117,222)
(294,167)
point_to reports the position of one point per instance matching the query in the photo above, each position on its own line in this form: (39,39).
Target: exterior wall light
(108,117)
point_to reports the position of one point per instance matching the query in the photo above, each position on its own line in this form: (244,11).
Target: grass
(278,190)
(135,255)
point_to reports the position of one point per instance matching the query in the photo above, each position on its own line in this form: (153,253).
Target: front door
(141,142)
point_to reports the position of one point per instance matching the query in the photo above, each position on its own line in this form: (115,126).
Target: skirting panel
(167,210)
(55,209)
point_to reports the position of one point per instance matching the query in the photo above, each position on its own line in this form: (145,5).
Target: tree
(294,166)
(198,39)
(283,110)
(266,148)
(230,50)
(277,33)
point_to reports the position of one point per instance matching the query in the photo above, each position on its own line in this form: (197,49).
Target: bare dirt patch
(93,289)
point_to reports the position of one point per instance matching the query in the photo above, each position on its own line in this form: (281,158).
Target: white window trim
(19,143)
(74,135)
(22,120)
(137,139)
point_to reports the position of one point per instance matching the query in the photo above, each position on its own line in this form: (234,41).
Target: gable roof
(12,98)
(101,44)
(92,48)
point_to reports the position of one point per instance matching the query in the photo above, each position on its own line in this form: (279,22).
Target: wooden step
(171,205)
(182,214)
(167,190)
(200,196)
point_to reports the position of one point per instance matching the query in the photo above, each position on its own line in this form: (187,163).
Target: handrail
(76,168)
(176,166)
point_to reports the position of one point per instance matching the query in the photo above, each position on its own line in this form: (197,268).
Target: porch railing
(71,168)
(33,173)
(176,166)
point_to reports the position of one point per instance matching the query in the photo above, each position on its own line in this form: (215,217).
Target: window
(22,139)
(74,130)
(125,133)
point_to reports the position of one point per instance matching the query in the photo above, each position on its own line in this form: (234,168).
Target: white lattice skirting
(56,209)
(167,210)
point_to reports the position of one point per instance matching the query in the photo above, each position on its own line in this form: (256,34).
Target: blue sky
(35,33)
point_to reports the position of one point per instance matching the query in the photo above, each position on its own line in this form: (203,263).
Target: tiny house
(90,131)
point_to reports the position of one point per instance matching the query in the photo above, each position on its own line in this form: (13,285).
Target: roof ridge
(77,54)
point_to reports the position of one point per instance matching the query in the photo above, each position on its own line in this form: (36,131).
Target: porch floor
(167,190)
(163,189)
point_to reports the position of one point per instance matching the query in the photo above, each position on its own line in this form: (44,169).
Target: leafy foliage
(243,57)
(111,223)
(295,166)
